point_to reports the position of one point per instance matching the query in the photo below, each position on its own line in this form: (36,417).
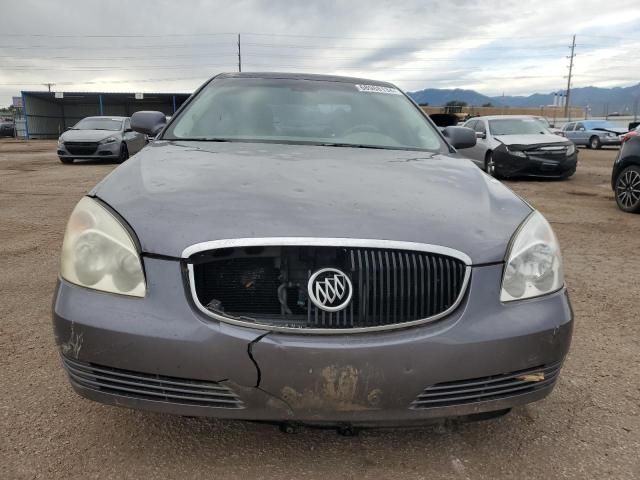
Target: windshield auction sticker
(378,89)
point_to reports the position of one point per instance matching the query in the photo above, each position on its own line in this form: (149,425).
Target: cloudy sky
(491,46)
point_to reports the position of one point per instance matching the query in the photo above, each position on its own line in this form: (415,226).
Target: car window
(516,126)
(480,127)
(471,124)
(127,124)
(305,111)
(98,123)
(579,126)
(569,127)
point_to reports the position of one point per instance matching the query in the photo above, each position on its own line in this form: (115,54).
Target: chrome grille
(151,387)
(391,287)
(484,389)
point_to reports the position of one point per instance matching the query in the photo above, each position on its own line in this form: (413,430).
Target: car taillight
(629,135)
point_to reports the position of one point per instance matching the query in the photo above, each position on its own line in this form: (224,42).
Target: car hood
(533,139)
(177,194)
(616,130)
(87,135)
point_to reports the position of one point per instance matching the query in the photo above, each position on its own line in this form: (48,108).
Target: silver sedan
(108,138)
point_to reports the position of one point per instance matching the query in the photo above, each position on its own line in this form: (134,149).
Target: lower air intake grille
(151,387)
(81,148)
(495,387)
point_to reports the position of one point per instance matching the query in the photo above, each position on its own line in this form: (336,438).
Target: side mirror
(460,137)
(581,129)
(148,122)
(552,125)
(127,130)
(481,135)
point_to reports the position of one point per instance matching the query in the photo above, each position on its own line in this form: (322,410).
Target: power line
(408,47)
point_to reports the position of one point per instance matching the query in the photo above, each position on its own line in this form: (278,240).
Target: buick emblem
(330,289)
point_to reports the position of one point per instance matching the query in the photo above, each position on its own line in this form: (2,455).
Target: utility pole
(49,85)
(239,55)
(568,96)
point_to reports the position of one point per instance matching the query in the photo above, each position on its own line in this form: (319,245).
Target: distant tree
(488,104)
(456,103)
(424,104)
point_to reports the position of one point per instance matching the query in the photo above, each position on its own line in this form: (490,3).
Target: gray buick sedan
(306,249)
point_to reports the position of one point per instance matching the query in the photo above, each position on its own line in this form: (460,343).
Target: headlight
(109,140)
(517,153)
(534,264)
(571,149)
(99,253)
(60,142)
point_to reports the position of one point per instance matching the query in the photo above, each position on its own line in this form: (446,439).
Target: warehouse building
(48,114)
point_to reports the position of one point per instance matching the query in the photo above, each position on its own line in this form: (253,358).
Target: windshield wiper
(200,139)
(357,145)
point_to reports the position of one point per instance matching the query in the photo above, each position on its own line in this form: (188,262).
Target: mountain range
(600,100)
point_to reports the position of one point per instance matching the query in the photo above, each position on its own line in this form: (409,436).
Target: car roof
(304,76)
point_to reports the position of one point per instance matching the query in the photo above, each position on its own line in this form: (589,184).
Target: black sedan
(7,129)
(625,179)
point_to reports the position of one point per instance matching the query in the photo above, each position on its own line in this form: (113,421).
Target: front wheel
(595,143)
(124,153)
(628,190)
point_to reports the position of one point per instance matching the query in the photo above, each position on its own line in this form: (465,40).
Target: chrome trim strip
(329,242)
(324,242)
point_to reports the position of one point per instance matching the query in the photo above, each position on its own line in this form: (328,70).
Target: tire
(489,165)
(66,161)
(124,153)
(595,143)
(627,189)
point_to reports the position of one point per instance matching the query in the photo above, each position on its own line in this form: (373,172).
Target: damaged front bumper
(161,354)
(531,164)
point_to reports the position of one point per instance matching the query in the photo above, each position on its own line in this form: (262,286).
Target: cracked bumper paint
(367,379)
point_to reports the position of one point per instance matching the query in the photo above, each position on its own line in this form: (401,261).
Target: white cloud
(491,46)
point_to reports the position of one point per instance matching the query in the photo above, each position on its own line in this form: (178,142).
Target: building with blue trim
(48,114)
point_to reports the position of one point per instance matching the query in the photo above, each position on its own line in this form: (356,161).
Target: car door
(479,150)
(569,132)
(135,140)
(580,134)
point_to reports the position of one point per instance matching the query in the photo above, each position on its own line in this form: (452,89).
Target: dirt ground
(588,428)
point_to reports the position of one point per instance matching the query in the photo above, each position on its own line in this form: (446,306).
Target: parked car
(631,133)
(104,138)
(519,146)
(593,133)
(625,178)
(551,127)
(7,129)
(354,272)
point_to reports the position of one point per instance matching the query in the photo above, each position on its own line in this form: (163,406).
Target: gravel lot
(588,428)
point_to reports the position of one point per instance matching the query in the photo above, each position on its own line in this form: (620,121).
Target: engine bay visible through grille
(269,285)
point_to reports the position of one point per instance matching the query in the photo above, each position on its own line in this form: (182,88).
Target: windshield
(305,111)
(98,124)
(516,126)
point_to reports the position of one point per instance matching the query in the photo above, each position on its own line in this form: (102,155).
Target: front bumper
(103,151)
(360,379)
(509,165)
(610,140)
